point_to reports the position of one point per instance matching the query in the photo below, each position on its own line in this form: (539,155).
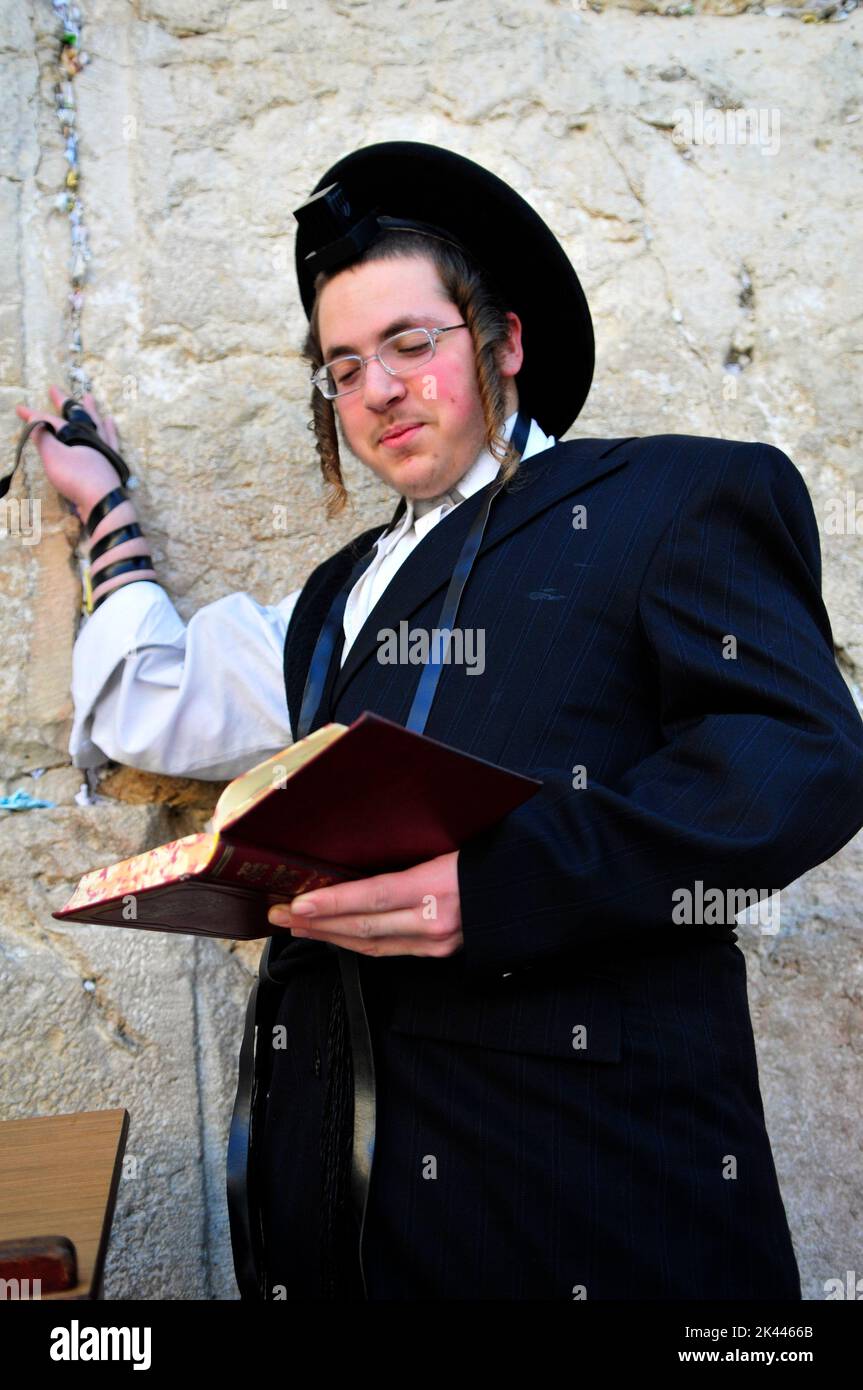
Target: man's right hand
(80,474)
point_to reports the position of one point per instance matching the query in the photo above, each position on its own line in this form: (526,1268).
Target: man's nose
(380,387)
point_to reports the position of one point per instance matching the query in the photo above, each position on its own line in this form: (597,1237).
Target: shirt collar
(423,512)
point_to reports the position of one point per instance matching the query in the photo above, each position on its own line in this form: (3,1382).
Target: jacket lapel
(542,480)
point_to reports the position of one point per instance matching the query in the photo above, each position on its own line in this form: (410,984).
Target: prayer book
(346,802)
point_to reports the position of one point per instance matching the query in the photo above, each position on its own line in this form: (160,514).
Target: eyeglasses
(397,355)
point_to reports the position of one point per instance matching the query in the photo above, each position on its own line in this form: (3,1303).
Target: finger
(29,415)
(59,398)
(380,893)
(92,410)
(359,926)
(381,946)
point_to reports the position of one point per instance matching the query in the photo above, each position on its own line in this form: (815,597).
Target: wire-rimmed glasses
(397,355)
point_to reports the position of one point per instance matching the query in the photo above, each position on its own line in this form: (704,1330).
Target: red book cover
(344,803)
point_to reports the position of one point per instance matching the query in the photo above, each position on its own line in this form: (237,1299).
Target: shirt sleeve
(204,699)
(759,776)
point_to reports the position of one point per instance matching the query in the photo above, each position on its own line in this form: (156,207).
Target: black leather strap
(135,562)
(114,538)
(80,433)
(81,429)
(244,1209)
(105,505)
(364,1087)
(248,1257)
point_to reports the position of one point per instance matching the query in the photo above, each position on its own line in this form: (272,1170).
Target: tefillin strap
(425,693)
(361,1045)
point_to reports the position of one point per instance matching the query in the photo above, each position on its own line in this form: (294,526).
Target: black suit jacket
(569,1106)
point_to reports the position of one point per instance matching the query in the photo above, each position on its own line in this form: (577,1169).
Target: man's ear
(510,354)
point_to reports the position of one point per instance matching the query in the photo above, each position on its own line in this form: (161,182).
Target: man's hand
(80,474)
(416,912)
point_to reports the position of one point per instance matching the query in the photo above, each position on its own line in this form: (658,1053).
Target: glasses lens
(342,374)
(407,350)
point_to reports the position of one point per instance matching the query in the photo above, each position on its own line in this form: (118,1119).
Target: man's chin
(411,475)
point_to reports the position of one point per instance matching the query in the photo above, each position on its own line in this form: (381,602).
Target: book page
(254,785)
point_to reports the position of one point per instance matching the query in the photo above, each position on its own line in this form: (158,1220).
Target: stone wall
(701,167)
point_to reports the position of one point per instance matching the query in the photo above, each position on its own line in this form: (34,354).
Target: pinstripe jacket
(569,1106)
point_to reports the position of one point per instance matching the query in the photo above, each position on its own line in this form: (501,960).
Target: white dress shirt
(207,699)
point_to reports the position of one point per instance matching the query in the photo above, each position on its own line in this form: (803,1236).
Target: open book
(346,802)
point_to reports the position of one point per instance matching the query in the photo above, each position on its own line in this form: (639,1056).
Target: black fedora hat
(406,183)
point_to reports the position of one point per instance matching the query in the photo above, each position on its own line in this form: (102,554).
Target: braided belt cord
(336,1151)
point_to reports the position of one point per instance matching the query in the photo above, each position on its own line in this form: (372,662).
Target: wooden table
(58,1177)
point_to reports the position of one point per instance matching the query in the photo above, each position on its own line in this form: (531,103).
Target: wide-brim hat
(403,182)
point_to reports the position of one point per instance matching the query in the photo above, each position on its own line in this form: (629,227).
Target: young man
(548,1088)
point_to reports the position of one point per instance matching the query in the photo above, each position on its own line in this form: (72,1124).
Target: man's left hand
(415,912)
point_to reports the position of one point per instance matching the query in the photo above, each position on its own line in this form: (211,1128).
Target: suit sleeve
(759,773)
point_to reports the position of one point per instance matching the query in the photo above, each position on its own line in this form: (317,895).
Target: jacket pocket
(577,1021)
